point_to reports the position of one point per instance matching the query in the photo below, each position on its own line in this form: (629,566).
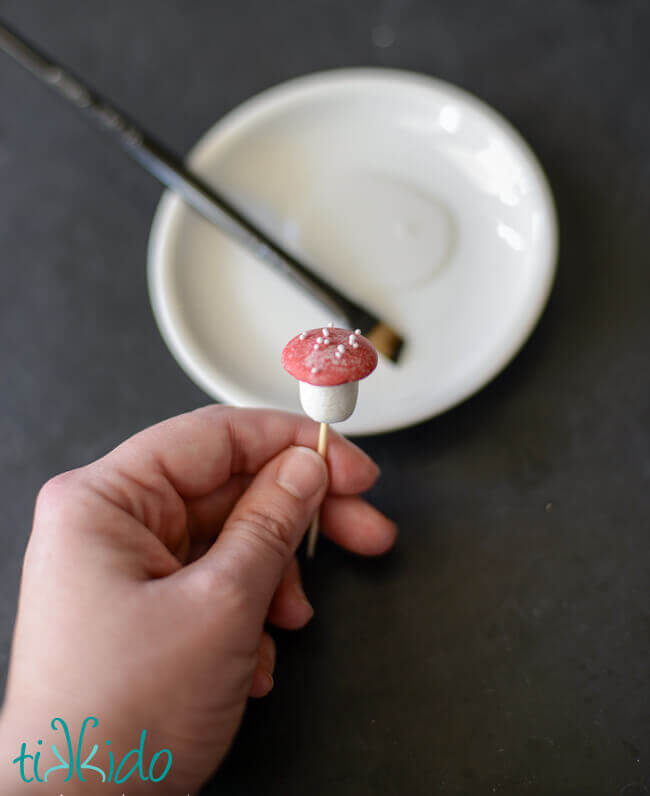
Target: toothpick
(313,528)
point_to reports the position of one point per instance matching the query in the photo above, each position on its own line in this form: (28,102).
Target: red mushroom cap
(329,356)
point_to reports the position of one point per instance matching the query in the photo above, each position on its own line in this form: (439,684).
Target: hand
(149,577)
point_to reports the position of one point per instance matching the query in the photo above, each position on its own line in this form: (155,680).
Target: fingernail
(360,451)
(301,597)
(302,472)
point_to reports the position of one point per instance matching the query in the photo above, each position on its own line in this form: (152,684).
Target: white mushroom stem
(329,404)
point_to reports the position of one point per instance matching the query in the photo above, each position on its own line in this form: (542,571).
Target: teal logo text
(33,769)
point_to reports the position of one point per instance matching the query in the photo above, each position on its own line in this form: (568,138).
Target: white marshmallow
(329,404)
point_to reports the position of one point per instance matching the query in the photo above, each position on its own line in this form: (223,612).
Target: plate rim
(168,215)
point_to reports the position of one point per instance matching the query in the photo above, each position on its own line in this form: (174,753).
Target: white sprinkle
(326,332)
(352,339)
(330,324)
(319,339)
(340,347)
(355,345)
(315,370)
(357,331)
(338,355)
(302,335)
(316,346)
(326,341)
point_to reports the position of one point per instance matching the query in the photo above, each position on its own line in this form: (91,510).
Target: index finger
(198,452)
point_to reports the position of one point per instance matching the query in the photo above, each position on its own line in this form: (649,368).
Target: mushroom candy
(329,363)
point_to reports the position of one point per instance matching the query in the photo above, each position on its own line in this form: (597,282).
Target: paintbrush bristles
(386,340)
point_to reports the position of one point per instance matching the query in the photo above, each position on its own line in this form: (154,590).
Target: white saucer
(407,192)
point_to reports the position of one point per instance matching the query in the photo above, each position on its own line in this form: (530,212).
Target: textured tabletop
(503,647)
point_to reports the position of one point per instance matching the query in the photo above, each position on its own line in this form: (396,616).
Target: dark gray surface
(503,648)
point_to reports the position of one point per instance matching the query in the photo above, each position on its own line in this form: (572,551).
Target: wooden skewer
(313,528)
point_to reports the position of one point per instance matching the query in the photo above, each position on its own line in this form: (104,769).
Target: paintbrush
(204,198)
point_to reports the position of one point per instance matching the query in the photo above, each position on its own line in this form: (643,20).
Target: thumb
(264,529)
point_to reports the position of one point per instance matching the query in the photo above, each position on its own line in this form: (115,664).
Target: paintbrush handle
(171,171)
